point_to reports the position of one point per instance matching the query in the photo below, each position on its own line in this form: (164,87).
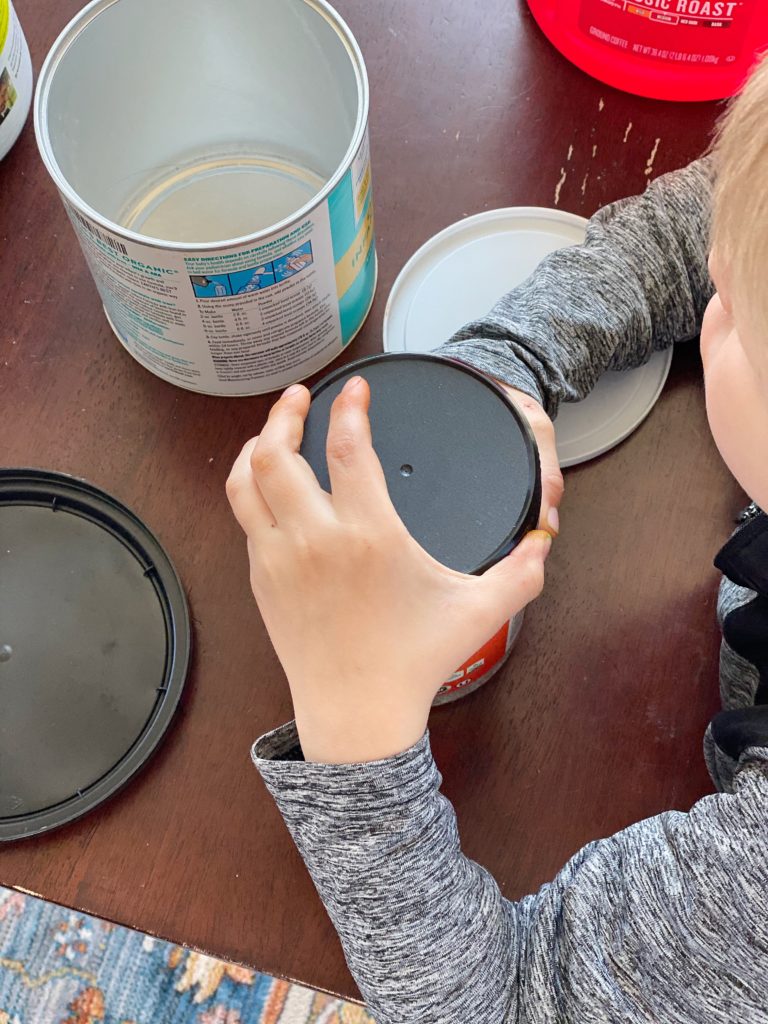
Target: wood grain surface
(597,719)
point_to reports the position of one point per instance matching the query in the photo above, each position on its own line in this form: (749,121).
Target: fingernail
(294,389)
(553,521)
(541,535)
(544,538)
(352,383)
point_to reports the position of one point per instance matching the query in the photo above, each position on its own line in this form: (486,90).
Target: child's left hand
(367,625)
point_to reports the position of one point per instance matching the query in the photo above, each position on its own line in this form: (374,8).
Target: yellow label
(5,17)
(349,265)
(362,191)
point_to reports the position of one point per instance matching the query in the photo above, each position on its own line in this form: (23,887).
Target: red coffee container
(664,49)
(461,466)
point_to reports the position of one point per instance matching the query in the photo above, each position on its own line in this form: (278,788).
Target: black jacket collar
(744,559)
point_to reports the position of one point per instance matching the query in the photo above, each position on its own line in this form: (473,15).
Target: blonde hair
(740,215)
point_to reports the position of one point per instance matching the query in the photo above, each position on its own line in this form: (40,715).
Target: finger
(245,498)
(551,474)
(552,485)
(357,480)
(288,485)
(518,579)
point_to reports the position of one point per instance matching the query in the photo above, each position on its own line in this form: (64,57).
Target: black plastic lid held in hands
(460,461)
(94,648)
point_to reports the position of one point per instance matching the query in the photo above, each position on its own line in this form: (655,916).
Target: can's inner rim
(58,51)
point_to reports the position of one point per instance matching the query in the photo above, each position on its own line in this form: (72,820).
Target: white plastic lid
(458,275)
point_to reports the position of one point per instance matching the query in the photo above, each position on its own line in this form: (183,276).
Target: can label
(478,669)
(249,319)
(699,32)
(15,77)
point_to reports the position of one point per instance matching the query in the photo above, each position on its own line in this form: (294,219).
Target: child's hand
(551,476)
(366,624)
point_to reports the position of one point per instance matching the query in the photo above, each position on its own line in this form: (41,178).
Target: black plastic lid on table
(94,648)
(460,461)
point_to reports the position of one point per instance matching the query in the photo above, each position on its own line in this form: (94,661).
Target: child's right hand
(367,625)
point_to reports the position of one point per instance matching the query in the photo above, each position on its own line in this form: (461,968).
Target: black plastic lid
(460,461)
(94,648)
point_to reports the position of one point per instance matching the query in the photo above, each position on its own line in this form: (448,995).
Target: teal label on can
(350,207)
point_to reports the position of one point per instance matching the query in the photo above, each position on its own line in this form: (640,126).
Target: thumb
(519,578)
(551,476)
(551,486)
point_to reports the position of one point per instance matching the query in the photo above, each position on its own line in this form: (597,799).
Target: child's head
(734,336)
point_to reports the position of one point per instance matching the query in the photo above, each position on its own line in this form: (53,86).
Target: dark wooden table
(598,719)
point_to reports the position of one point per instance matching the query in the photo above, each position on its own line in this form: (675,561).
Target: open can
(461,465)
(214,163)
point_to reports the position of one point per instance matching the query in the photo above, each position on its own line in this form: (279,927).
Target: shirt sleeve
(659,922)
(639,283)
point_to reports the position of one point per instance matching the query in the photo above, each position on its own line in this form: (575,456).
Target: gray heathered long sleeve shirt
(666,921)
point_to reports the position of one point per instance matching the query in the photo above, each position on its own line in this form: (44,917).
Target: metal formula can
(214,162)
(15,78)
(462,470)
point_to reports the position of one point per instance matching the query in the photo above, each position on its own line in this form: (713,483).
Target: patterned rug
(58,967)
